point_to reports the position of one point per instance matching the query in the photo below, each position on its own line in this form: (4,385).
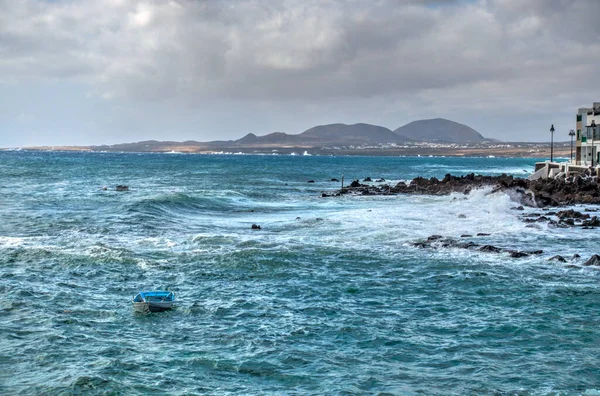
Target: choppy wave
(330,296)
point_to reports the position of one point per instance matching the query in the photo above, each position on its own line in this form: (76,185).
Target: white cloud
(475,56)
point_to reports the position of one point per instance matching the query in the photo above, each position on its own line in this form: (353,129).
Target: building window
(579,134)
(578,117)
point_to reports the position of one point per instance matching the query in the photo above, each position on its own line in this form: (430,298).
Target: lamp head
(552,128)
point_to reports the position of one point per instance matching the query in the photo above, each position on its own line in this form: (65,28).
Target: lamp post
(551,142)
(571,133)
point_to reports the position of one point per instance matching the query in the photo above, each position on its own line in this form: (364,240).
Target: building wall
(587,145)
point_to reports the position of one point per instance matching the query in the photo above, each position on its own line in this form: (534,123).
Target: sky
(76,72)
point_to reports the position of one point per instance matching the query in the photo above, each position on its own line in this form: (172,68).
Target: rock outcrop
(537,193)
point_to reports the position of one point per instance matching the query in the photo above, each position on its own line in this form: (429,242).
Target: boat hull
(145,307)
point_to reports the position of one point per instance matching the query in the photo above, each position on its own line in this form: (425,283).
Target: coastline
(516,150)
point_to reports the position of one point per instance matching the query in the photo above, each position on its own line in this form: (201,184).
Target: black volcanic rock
(594,260)
(439,129)
(538,193)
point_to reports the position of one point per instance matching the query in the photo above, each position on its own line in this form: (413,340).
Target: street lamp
(551,142)
(592,126)
(571,133)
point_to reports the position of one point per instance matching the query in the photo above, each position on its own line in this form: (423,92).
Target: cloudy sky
(78,72)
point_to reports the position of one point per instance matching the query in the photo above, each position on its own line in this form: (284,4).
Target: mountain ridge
(322,136)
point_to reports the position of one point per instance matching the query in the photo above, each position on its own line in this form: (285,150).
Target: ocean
(329,297)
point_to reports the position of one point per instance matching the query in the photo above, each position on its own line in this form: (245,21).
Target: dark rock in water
(558,258)
(594,260)
(593,222)
(367,179)
(575,257)
(122,187)
(483,234)
(536,252)
(571,214)
(490,248)
(334,180)
(466,236)
(518,208)
(255,227)
(311,181)
(468,245)
(355,183)
(517,254)
(380,180)
(434,238)
(462,216)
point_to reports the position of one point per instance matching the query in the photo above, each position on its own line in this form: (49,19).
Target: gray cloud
(421,57)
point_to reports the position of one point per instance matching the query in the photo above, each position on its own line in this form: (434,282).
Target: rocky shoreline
(539,193)
(542,194)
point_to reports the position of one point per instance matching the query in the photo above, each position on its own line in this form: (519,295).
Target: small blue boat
(153,301)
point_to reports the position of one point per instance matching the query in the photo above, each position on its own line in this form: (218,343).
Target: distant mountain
(350,134)
(274,138)
(323,135)
(435,130)
(440,130)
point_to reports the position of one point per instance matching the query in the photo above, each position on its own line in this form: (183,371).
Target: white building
(588,136)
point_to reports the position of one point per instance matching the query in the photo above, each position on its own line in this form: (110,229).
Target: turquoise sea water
(329,297)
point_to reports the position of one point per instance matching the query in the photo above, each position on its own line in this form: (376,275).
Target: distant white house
(588,136)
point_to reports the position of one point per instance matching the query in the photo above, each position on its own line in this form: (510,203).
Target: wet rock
(520,207)
(594,260)
(538,193)
(593,222)
(517,254)
(483,234)
(466,236)
(575,257)
(490,248)
(255,227)
(334,180)
(122,187)
(558,258)
(468,245)
(367,179)
(535,252)
(462,216)
(311,181)
(571,214)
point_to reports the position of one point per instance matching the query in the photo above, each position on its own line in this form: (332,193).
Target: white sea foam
(11,242)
